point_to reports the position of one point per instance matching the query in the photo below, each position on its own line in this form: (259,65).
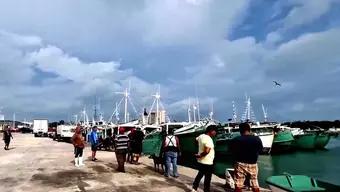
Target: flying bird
(277,84)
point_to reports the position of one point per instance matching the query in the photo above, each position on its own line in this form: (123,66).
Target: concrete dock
(41,164)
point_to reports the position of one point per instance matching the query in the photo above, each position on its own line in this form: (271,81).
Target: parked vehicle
(64,132)
(40,127)
(52,132)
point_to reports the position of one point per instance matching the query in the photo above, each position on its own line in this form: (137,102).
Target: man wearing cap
(121,144)
(94,142)
(205,158)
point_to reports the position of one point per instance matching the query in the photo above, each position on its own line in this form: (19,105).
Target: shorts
(7,141)
(93,147)
(242,170)
(137,148)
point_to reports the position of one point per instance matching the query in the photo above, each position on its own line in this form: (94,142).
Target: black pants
(78,152)
(121,158)
(206,171)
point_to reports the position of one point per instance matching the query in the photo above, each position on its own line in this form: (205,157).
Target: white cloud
(302,13)
(310,53)
(72,49)
(72,81)
(172,22)
(53,59)
(19,41)
(306,12)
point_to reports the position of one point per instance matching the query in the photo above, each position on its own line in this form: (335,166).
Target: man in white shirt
(205,158)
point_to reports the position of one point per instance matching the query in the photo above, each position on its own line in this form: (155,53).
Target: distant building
(153,117)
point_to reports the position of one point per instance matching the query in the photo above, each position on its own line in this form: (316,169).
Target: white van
(65,132)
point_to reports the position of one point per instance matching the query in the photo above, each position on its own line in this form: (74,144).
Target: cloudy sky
(56,56)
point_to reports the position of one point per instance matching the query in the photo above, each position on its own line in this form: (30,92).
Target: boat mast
(126,95)
(159,107)
(198,109)
(234,113)
(265,113)
(85,117)
(157,99)
(189,111)
(197,104)
(76,118)
(13,120)
(211,114)
(194,108)
(249,113)
(95,115)
(2,116)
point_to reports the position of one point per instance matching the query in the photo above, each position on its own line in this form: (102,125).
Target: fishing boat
(299,183)
(322,138)
(305,140)
(283,139)
(263,131)
(187,136)
(147,129)
(152,143)
(334,131)
(266,134)
(223,139)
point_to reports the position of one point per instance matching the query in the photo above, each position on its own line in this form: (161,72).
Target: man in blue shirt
(246,149)
(94,142)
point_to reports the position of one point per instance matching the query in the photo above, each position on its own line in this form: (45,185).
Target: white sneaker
(76,162)
(81,161)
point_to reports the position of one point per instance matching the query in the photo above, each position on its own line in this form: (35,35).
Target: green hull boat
(299,183)
(152,144)
(305,141)
(283,141)
(322,140)
(189,147)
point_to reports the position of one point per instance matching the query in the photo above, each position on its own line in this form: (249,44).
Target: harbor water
(320,164)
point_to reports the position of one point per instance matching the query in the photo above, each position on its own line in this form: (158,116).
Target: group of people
(245,151)
(128,147)
(79,144)
(125,145)
(136,137)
